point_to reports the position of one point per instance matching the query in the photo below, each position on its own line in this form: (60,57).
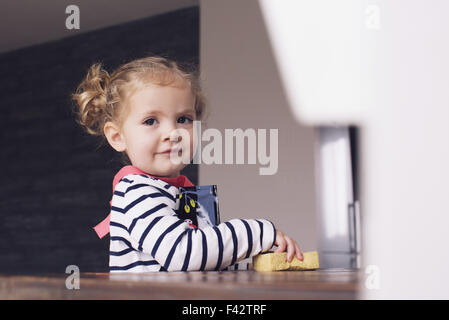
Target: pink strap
(102,228)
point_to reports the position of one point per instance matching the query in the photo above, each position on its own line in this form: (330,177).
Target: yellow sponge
(272,261)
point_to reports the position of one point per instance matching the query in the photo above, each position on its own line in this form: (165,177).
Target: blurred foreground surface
(236,285)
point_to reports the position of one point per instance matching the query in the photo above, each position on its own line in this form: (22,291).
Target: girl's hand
(285,243)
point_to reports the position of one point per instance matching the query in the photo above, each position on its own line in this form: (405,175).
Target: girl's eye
(184,119)
(150,121)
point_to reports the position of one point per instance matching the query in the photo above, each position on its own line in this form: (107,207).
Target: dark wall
(56,181)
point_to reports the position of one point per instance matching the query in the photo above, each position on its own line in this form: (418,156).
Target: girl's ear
(115,139)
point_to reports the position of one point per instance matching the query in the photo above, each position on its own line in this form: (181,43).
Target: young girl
(138,108)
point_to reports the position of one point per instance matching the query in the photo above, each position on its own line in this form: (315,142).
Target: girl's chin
(172,171)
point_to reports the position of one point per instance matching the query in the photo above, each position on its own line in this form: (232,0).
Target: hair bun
(91,99)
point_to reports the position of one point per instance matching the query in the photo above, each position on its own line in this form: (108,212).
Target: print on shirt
(198,204)
(186,204)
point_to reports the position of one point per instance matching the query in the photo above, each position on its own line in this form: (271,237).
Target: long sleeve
(142,211)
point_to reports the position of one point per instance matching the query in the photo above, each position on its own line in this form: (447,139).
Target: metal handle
(354,227)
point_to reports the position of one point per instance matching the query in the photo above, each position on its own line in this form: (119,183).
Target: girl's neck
(172,176)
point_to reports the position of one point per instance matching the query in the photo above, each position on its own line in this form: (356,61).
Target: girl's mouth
(170,151)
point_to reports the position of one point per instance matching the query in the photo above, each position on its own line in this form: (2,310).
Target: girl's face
(154,113)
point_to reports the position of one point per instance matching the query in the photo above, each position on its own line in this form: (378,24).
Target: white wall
(244,91)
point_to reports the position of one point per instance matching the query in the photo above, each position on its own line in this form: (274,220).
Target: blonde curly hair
(102,97)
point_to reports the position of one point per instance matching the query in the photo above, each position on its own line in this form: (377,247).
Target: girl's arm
(147,214)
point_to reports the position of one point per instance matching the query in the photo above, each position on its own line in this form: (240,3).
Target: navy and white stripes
(147,236)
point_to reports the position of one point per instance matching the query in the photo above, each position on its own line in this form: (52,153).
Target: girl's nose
(170,133)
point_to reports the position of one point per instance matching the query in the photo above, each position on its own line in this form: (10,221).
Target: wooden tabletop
(226,285)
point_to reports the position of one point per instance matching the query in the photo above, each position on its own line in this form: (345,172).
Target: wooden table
(226,285)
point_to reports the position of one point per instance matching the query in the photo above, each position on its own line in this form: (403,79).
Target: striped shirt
(147,236)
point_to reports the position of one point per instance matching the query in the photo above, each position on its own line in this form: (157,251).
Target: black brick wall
(56,180)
